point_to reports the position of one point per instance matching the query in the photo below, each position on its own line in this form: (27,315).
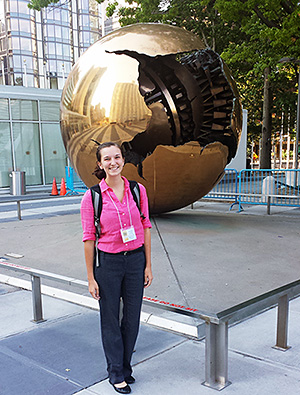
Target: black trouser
(120,276)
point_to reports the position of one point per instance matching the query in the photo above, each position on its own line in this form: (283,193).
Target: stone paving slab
(63,354)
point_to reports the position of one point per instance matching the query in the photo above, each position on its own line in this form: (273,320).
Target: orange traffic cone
(63,190)
(54,191)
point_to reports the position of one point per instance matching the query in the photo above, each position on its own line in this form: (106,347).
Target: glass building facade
(30,138)
(37,51)
(38,48)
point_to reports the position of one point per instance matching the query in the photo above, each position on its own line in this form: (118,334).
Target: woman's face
(112,161)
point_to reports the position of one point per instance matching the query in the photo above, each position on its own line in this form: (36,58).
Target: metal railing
(26,198)
(277,187)
(227,187)
(269,187)
(73,182)
(216,339)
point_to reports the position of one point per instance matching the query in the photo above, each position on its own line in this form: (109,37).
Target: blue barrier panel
(227,187)
(277,187)
(74,184)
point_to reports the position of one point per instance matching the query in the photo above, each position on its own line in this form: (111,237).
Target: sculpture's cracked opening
(191,100)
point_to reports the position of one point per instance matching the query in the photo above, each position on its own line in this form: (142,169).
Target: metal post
(19,209)
(298,122)
(216,356)
(25,73)
(269,205)
(37,299)
(282,324)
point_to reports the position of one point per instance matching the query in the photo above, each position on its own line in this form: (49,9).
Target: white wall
(239,161)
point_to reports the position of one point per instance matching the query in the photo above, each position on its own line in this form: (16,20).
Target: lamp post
(63,72)
(25,72)
(2,70)
(45,73)
(295,61)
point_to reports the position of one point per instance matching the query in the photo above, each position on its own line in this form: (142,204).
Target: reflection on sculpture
(171,104)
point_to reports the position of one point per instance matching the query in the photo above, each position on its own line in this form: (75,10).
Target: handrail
(25,198)
(216,349)
(84,284)
(42,274)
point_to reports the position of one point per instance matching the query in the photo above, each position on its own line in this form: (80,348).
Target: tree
(274,26)
(199,17)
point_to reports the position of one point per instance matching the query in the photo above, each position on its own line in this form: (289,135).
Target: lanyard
(118,210)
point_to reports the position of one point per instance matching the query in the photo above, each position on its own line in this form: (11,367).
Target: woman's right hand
(94,289)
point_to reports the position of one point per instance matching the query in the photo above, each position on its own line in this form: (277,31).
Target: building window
(64,15)
(14,23)
(13,5)
(65,34)
(49,111)
(26,44)
(17,63)
(25,26)
(4,114)
(15,43)
(6,164)
(23,9)
(24,110)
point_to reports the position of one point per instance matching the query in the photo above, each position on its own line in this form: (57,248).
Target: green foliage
(272,31)
(111,8)
(39,4)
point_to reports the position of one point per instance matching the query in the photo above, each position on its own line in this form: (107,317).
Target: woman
(124,265)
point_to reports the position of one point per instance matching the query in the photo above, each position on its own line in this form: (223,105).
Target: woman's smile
(112,161)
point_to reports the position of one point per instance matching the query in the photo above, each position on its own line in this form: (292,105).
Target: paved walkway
(207,258)
(63,355)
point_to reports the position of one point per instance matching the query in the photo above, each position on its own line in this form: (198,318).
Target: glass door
(55,156)
(27,151)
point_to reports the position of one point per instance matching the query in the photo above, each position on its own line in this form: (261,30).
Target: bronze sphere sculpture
(170,103)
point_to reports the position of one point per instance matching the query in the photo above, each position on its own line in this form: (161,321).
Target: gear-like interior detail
(218,97)
(191,100)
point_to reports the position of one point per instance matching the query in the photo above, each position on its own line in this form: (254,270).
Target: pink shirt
(110,239)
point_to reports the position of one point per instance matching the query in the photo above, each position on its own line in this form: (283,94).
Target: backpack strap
(97,204)
(136,193)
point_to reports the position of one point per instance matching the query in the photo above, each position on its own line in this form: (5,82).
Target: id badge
(128,234)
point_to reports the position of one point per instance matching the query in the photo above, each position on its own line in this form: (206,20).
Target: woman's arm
(148,268)
(89,246)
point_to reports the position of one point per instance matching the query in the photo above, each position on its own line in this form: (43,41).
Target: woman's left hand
(148,277)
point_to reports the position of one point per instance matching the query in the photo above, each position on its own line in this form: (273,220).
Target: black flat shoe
(123,390)
(130,380)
